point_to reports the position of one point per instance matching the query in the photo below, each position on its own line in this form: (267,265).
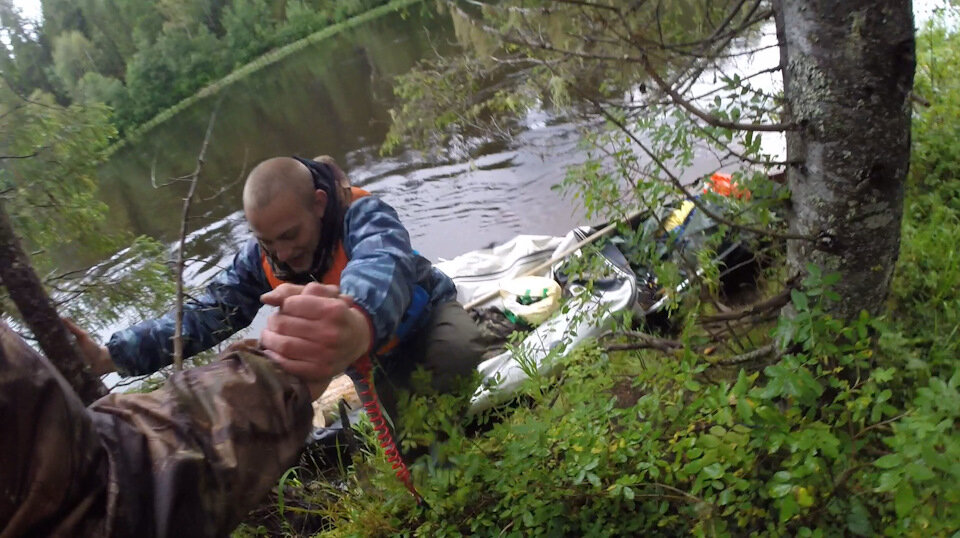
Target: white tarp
(480,272)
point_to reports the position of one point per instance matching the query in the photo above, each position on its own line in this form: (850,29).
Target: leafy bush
(849,429)
(641,444)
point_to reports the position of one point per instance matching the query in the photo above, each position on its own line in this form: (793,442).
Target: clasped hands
(314,335)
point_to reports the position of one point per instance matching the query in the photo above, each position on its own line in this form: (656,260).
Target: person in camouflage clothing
(311,226)
(189,459)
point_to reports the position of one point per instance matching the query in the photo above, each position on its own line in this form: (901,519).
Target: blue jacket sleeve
(229,304)
(381,273)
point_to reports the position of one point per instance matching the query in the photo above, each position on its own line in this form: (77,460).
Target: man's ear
(319,203)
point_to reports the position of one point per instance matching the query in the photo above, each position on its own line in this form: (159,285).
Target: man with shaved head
(311,226)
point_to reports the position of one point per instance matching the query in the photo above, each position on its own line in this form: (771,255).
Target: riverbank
(851,431)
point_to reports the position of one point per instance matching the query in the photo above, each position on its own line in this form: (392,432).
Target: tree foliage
(23,61)
(142,57)
(73,56)
(678,82)
(48,159)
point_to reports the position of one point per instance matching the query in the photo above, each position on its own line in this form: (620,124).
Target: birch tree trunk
(848,70)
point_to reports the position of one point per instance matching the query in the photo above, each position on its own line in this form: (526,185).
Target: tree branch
(696,200)
(178,330)
(759,353)
(38,312)
(592,5)
(27,156)
(879,425)
(644,341)
(709,118)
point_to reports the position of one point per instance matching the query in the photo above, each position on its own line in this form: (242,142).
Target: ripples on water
(453,208)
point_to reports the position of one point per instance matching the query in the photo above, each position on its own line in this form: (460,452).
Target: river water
(334,98)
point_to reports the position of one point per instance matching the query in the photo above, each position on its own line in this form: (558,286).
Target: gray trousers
(448,347)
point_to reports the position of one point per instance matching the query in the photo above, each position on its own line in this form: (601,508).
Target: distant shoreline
(266,59)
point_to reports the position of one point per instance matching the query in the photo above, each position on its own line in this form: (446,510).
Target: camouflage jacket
(382,275)
(189,459)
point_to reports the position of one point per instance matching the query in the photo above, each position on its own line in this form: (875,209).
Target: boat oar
(559,257)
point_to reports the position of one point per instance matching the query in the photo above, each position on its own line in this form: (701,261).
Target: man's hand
(95,356)
(316,333)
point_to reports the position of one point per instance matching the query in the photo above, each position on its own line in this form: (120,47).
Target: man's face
(288,229)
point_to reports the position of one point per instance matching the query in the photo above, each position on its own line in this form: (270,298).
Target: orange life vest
(332,276)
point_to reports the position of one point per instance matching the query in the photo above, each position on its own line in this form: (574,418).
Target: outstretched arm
(228,304)
(189,459)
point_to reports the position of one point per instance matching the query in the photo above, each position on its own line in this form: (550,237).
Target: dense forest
(142,57)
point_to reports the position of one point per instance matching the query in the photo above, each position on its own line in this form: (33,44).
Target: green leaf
(904,500)
(918,472)
(707,441)
(780,490)
(782,476)
(788,508)
(714,470)
(830,279)
(804,498)
(858,519)
(593,479)
(799,299)
(889,461)
(694,466)
(888,481)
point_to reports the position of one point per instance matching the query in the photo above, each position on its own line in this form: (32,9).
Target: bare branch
(720,34)
(153,175)
(178,330)
(879,425)
(919,99)
(27,156)
(591,5)
(759,353)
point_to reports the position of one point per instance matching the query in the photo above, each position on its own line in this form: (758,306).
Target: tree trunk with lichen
(848,71)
